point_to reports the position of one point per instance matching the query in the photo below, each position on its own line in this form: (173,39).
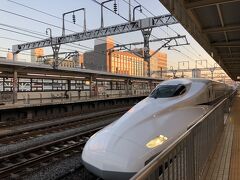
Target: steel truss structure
(141,24)
(67,55)
(168,42)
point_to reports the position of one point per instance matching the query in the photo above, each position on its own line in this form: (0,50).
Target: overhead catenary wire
(20,4)
(185,55)
(73,46)
(153,16)
(46,13)
(38,32)
(159,27)
(25,53)
(43,12)
(22,29)
(167,26)
(18,32)
(95,1)
(70,21)
(122,16)
(172,30)
(35,19)
(13,39)
(22,41)
(8,50)
(28,35)
(145,16)
(40,38)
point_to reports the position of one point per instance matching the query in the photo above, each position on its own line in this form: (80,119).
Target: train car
(124,147)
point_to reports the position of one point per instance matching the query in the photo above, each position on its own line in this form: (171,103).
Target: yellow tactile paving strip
(235,156)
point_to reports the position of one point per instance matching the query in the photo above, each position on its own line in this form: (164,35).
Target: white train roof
(185,81)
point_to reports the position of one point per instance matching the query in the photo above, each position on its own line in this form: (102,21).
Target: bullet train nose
(111,157)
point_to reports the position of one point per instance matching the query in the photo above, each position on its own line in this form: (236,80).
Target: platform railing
(71,97)
(186,157)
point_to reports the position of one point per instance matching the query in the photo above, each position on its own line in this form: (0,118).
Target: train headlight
(156,141)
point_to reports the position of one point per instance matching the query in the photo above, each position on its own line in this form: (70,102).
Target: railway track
(18,164)
(58,126)
(43,119)
(27,121)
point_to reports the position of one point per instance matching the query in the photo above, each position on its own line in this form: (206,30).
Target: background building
(122,62)
(99,59)
(126,63)
(9,56)
(36,53)
(158,62)
(2,58)
(81,61)
(64,59)
(66,63)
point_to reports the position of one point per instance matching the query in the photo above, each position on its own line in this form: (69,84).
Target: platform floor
(224,164)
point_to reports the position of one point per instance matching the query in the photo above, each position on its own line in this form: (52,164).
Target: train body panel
(128,144)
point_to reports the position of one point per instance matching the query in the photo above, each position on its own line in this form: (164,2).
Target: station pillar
(96,88)
(212,71)
(150,86)
(127,82)
(146,53)
(93,86)
(15,86)
(196,73)
(69,85)
(90,86)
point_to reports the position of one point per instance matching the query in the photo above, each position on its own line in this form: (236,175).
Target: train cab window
(165,91)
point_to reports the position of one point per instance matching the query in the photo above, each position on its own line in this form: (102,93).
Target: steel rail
(13,137)
(16,167)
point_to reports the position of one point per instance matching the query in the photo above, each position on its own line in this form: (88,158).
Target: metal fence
(186,158)
(73,98)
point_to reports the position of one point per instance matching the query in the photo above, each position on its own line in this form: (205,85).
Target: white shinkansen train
(124,147)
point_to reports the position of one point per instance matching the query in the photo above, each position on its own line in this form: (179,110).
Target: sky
(20,23)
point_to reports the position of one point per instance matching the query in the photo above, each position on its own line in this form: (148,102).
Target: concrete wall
(60,110)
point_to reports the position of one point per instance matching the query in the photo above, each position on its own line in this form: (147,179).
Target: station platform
(224,164)
(56,101)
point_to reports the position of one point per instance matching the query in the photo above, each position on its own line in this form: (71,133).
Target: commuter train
(124,147)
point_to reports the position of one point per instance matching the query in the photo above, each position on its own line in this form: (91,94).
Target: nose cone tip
(103,167)
(108,175)
(110,161)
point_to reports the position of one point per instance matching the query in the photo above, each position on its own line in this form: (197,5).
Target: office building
(36,53)
(122,62)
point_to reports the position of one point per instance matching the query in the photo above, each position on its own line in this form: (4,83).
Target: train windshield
(165,91)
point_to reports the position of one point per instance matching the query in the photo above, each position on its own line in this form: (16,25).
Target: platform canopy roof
(35,70)
(215,24)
